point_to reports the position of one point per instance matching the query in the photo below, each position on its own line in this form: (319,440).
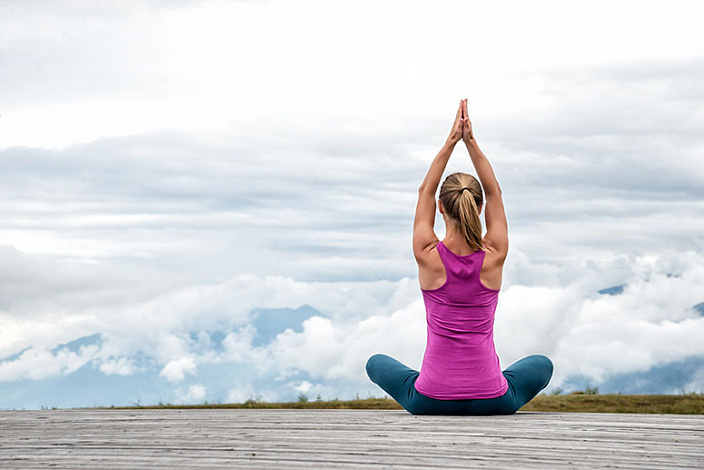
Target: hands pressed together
(462,127)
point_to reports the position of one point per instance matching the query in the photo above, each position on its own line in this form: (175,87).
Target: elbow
(493,190)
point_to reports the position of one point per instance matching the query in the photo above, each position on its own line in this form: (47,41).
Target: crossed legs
(526,378)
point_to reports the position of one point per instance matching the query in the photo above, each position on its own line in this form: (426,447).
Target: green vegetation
(593,403)
(357,404)
(584,402)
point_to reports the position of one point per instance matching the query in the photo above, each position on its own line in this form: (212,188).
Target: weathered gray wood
(344,439)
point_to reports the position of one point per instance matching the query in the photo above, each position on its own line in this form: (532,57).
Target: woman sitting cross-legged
(460,278)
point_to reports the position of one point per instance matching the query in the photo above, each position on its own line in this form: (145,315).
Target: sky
(212,201)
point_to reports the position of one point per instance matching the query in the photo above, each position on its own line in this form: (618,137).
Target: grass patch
(359,404)
(579,403)
(662,404)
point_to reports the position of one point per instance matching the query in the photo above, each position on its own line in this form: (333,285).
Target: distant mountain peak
(614,290)
(699,308)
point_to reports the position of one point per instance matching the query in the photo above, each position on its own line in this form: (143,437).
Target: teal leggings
(526,378)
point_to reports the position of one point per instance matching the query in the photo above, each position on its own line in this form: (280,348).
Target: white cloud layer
(651,323)
(39,363)
(168,168)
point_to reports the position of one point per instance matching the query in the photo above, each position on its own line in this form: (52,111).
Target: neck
(454,240)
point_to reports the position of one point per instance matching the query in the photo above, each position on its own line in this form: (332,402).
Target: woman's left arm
(496,238)
(424,238)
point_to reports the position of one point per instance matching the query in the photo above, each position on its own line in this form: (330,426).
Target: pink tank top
(460,359)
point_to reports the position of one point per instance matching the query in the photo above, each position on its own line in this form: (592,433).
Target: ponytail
(461,195)
(470,225)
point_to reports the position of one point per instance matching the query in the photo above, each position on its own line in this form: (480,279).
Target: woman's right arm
(424,238)
(496,238)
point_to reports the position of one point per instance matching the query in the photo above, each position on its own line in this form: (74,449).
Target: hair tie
(464,189)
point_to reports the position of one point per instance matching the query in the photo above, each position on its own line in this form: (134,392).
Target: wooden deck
(221,438)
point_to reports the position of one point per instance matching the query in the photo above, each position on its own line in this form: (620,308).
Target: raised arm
(424,238)
(496,238)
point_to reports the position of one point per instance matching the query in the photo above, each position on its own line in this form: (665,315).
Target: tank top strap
(446,257)
(442,251)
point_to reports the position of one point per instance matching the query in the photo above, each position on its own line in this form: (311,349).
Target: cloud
(39,363)
(130,210)
(330,350)
(176,370)
(303,386)
(651,323)
(119,366)
(597,338)
(195,393)
(171,168)
(79,72)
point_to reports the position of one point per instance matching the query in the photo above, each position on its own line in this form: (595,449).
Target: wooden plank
(344,439)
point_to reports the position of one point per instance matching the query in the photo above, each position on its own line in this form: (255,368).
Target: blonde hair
(461,196)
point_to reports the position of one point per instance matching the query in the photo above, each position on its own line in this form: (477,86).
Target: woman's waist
(462,333)
(483,380)
(480,357)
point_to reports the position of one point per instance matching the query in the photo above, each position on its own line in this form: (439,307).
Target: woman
(460,278)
